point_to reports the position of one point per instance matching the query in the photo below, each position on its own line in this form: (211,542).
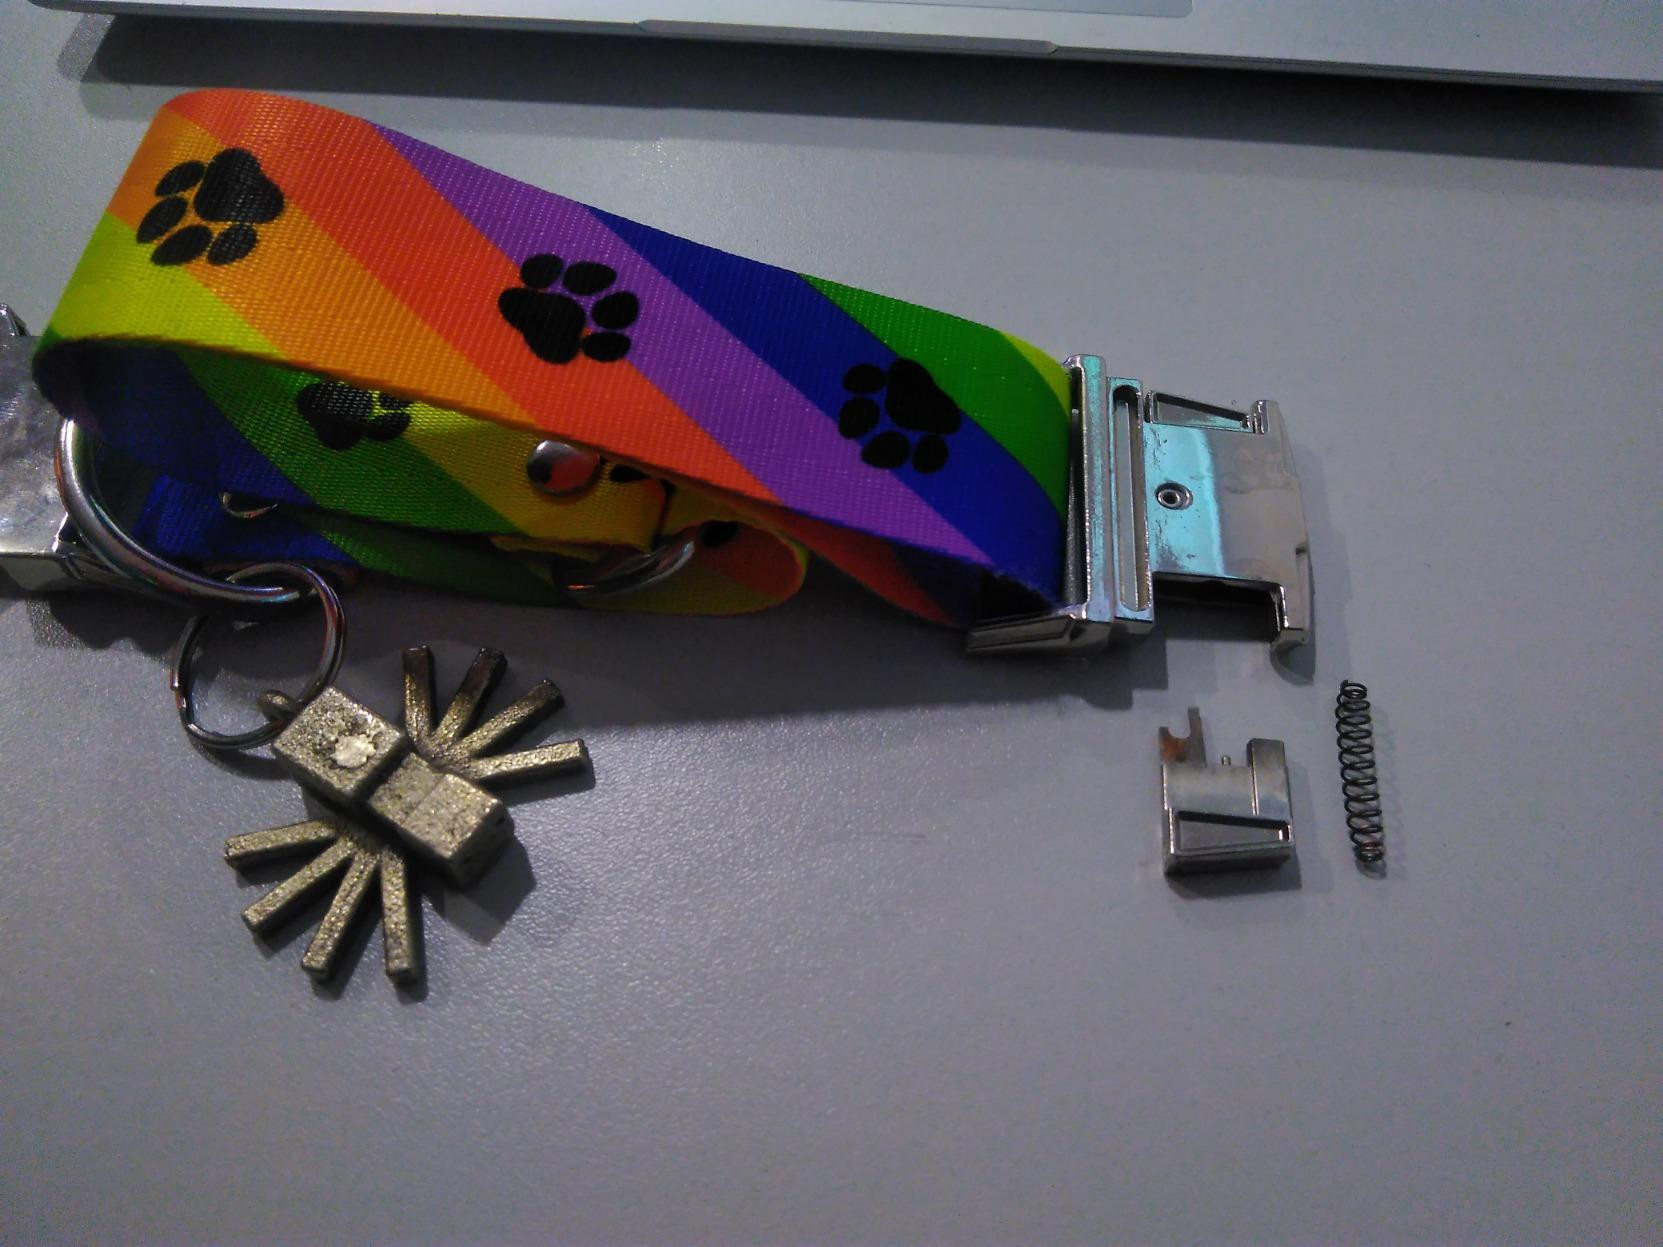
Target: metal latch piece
(1168,490)
(1223,817)
(39,547)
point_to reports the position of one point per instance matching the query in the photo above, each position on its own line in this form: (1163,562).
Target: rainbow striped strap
(298,305)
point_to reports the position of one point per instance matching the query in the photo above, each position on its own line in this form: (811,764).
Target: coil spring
(1358,781)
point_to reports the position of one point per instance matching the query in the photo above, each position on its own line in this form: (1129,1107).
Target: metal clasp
(55,531)
(1166,490)
(39,547)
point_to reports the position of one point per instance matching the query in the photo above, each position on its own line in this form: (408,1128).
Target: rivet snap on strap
(246,319)
(559,469)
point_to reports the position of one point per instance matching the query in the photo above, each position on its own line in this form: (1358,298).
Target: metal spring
(1358,780)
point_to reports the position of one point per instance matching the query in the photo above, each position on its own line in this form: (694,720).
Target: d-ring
(78,487)
(631,573)
(181,673)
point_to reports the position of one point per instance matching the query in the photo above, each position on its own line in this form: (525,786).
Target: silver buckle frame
(1171,490)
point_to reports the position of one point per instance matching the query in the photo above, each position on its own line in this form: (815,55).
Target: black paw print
(230,187)
(553,323)
(912,401)
(341,414)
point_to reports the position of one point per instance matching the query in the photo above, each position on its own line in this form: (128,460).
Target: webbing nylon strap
(297,305)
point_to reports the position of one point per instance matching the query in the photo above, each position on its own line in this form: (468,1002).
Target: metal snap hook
(280,708)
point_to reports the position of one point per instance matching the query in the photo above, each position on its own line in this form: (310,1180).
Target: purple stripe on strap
(783,439)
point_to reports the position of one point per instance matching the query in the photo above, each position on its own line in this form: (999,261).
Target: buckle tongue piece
(1223,817)
(1164,488)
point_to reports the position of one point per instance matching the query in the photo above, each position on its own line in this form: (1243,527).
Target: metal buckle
(1171,491)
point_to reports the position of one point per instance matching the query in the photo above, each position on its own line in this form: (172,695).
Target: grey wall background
(852,940)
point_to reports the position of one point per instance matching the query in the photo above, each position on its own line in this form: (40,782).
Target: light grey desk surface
(851,940)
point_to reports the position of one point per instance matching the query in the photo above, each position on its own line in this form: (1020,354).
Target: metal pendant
(399,798)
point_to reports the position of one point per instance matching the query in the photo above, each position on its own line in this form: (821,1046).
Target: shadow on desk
(834,647)
(633,73)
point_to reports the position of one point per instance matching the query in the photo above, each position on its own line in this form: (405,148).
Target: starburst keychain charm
(396,793)
(394,797)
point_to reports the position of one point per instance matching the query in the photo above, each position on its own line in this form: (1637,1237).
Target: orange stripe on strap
(347,325)
(758,561)
(869,560)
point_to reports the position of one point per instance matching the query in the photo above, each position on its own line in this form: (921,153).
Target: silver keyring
(78,487)
(181,674)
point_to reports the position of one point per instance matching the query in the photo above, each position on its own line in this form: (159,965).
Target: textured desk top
(853,940)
